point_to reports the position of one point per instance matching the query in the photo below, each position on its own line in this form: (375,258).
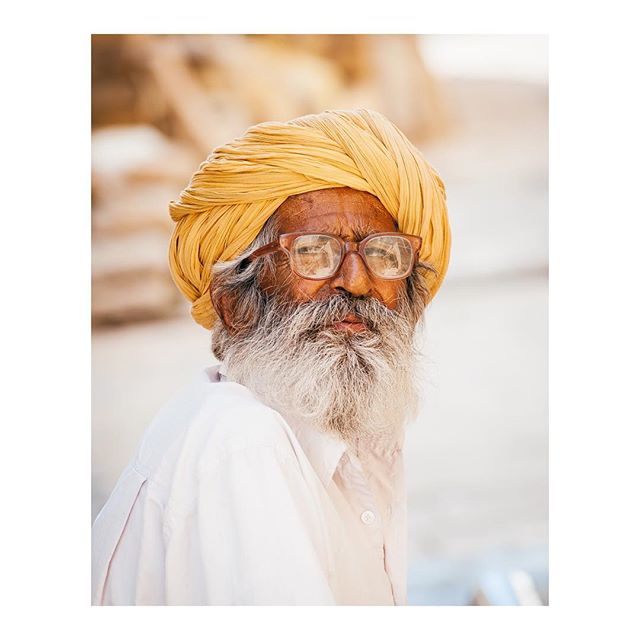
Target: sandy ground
(476,458)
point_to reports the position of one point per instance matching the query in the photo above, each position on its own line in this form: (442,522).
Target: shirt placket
(364,504)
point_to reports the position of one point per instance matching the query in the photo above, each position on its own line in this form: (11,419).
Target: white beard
(359,386)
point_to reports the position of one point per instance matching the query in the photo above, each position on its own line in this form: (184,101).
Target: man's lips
(350,323)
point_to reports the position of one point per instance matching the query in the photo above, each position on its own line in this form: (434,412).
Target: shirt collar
(323,450)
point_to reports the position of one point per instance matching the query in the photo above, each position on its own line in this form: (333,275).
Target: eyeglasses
(317,256)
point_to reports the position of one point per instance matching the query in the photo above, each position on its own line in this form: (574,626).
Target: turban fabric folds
(241,184)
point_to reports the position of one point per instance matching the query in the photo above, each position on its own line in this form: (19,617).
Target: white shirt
(227,502)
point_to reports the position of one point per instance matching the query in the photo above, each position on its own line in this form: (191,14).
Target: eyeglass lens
(318,256)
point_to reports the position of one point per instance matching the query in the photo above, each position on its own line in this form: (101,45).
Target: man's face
(350,214)
(342,347)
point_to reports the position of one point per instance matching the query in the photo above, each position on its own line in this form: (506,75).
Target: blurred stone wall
(161,103)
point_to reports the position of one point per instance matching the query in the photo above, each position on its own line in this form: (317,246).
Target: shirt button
(368,517)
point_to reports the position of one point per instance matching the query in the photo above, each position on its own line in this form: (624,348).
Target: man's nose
(353,276)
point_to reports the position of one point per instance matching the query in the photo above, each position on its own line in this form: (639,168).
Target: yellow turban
(242,183)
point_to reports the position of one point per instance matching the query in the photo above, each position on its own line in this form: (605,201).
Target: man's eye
(311,249)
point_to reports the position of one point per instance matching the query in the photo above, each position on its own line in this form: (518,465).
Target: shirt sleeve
(256,534)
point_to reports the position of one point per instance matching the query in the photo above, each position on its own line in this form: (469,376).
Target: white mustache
(317,315)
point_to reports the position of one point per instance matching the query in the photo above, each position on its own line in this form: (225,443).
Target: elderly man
(310,250)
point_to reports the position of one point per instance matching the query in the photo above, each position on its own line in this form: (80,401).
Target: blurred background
(477,456)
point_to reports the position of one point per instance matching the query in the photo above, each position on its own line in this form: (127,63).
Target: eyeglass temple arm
(264,250)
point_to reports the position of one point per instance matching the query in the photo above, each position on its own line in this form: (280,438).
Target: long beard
(356,385)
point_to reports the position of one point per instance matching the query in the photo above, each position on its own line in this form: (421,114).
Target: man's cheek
(388,298)
(304,290)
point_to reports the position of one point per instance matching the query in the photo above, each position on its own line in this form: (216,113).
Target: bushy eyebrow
(356,233)
(360,232)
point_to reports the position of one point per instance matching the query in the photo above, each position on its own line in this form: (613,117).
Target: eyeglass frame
(285,241)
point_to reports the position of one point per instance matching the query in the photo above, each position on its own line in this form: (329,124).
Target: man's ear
(224,308)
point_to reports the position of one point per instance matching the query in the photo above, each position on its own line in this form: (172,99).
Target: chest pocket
(109,526)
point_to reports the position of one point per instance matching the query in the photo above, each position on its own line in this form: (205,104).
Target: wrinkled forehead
(340,210)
